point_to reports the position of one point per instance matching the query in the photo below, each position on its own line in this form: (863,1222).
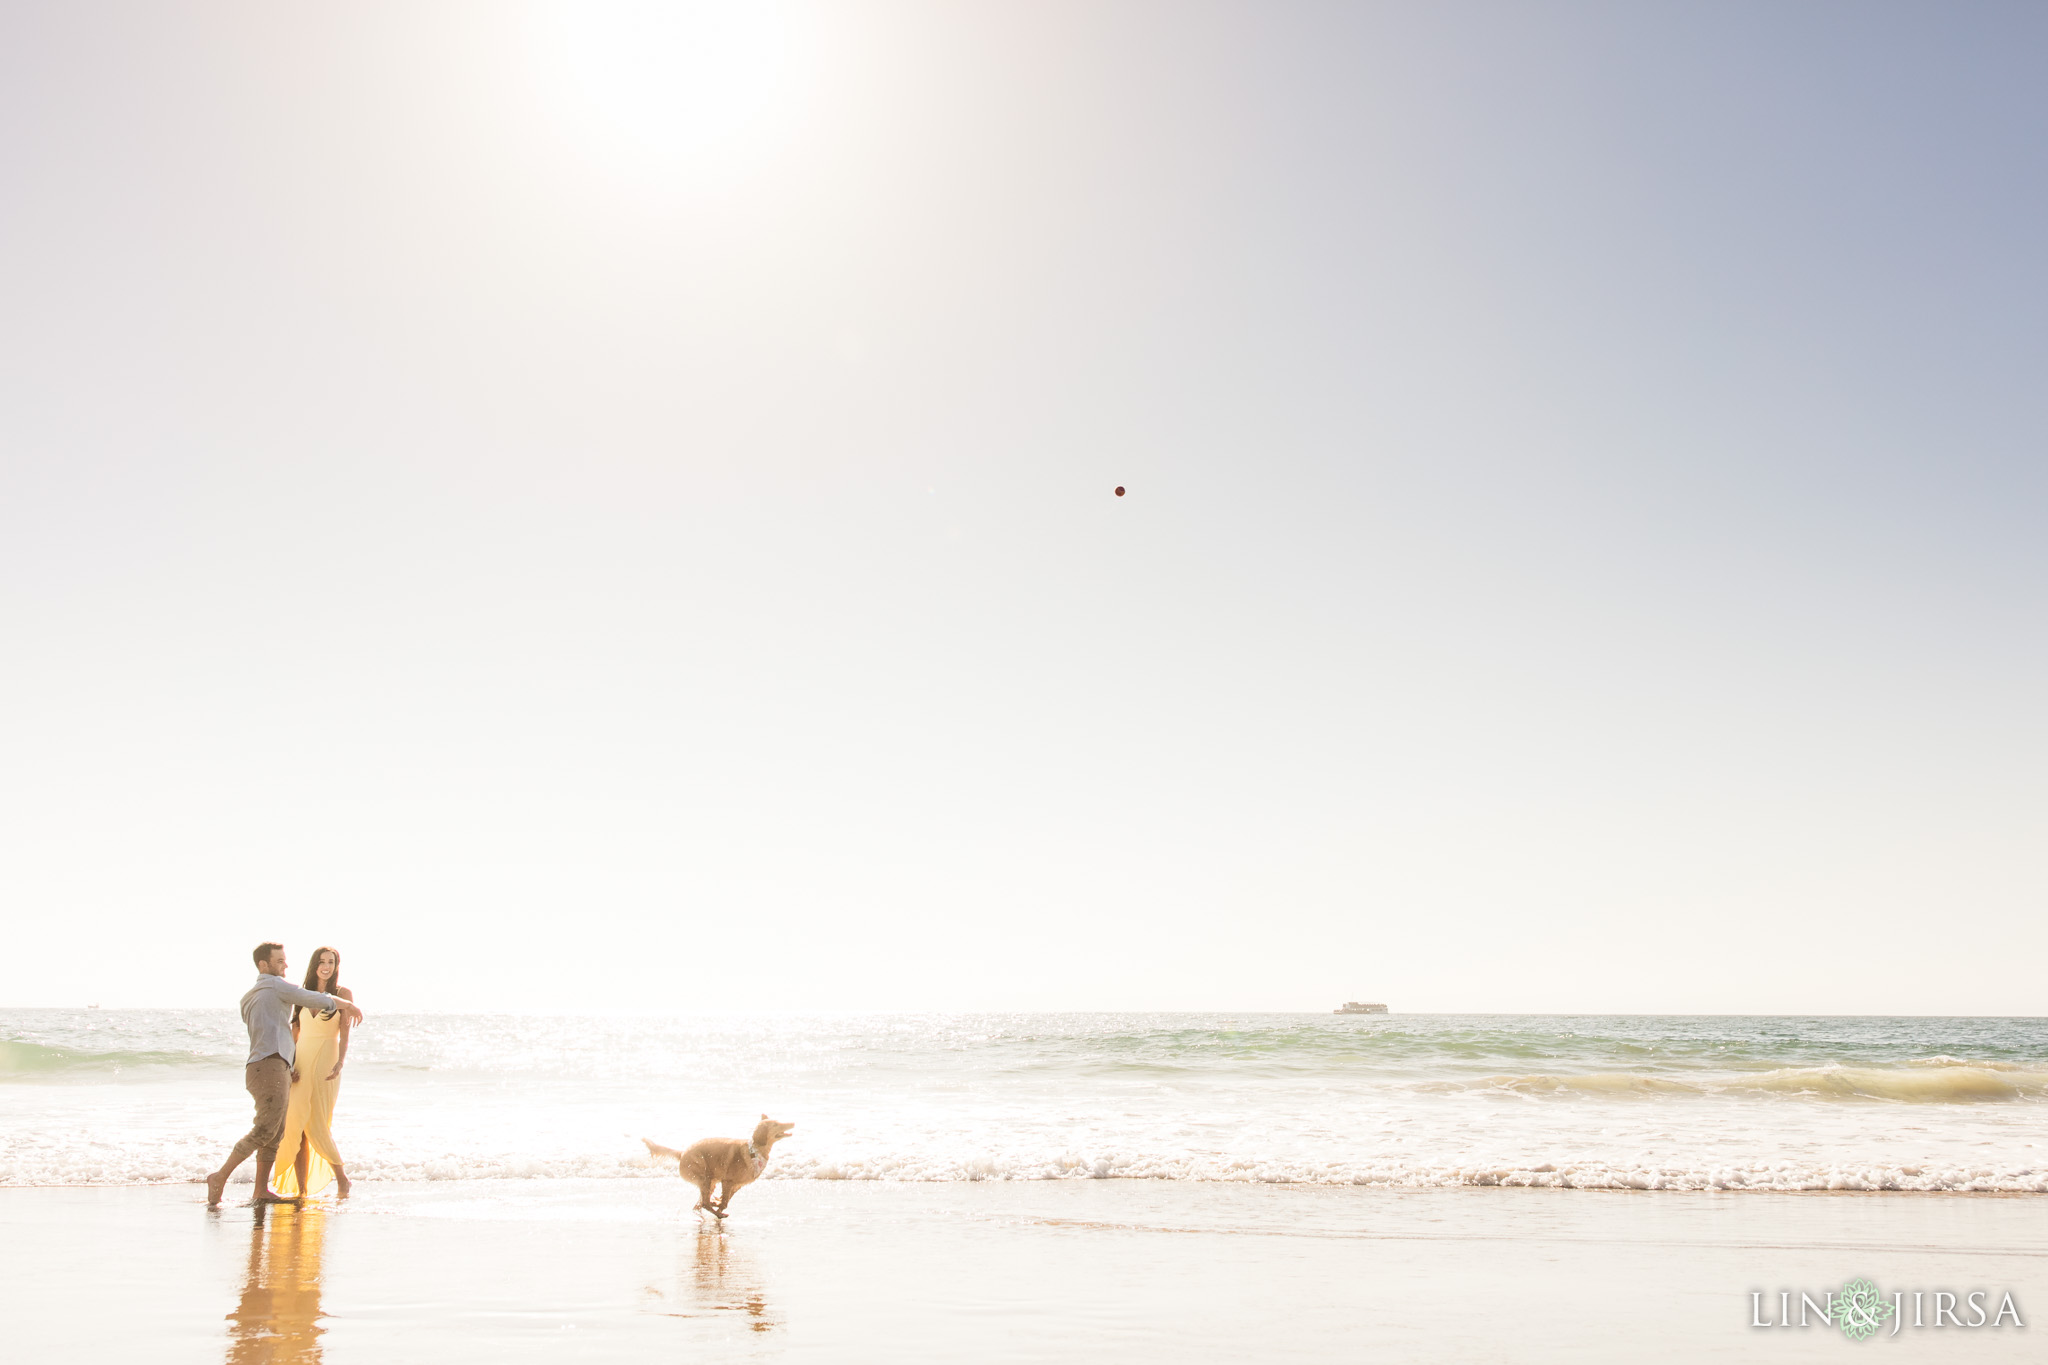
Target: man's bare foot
(341,1184)
(215,1184)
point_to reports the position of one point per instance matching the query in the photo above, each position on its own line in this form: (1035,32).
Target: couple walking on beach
(298,1038)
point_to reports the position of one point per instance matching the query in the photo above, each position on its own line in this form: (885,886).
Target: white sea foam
(182,1161)
(1399,1102)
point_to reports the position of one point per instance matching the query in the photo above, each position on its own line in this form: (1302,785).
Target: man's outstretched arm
(318,1000)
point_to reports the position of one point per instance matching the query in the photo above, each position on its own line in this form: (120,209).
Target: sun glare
(685,85)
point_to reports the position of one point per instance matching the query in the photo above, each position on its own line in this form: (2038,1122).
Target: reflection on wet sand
(277,1321)
(719,1277)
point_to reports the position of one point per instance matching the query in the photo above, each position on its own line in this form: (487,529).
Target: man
(267,1011)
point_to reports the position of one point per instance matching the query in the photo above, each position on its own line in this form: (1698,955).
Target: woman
(322,1041)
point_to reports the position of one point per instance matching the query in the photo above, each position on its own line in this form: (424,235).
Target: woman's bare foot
(341,1184)
(215,1185)
(266,1197)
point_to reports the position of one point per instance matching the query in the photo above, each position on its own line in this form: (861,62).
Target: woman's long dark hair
(313,976)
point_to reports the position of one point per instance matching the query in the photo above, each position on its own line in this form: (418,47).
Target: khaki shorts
(269,1082)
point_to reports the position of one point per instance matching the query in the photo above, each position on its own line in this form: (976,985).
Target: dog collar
(753,1152)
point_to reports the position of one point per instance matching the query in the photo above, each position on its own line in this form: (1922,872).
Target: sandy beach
(507,1271)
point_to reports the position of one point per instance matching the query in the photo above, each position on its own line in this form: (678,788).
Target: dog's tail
(656,1149)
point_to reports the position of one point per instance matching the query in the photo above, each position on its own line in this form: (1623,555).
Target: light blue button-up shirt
(267,1010)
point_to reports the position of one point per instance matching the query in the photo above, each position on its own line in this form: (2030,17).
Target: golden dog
(724,1161)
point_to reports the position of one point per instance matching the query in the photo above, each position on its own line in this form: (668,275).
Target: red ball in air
(1119,490)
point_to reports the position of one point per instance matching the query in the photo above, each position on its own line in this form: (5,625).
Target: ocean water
(1588,1102)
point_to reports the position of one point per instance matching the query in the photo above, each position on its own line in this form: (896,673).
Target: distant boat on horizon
(1360,1007)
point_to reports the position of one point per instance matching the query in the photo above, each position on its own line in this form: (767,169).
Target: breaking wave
(1933,1080)
(28,1060)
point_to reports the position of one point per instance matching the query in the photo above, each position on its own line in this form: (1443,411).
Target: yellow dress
(310,1115)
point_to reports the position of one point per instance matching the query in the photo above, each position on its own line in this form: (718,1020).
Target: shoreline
(1094,1269)
(369,1182)
(243,1178)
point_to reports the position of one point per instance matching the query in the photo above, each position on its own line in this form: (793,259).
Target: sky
(609,507)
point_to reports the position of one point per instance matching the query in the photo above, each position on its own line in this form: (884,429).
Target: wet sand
(510,1271)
